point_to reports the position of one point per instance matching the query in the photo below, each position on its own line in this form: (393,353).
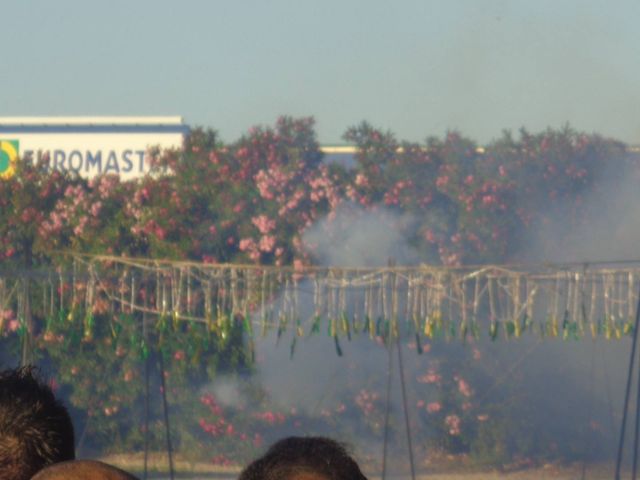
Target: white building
(88,145)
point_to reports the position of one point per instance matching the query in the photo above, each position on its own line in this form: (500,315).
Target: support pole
(166,416)
(406,410)
(632,357)
(147,374)
(636,432)
(387,411)
(146,417)
(26,357)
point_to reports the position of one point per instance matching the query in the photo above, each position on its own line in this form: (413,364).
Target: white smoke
(354,237)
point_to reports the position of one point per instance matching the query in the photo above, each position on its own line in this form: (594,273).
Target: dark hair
(295,456)
(35,428)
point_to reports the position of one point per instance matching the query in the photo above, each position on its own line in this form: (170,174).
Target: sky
(415,67)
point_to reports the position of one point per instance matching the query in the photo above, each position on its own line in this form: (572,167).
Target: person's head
(82,470)
(304,458)
(35,428)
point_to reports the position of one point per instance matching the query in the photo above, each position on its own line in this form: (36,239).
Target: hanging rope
(439,303)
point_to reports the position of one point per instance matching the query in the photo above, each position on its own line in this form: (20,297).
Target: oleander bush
(251,201)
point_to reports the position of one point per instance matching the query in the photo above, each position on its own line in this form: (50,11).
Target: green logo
(9,151)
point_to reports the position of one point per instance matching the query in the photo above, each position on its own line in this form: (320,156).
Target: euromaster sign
(89,146)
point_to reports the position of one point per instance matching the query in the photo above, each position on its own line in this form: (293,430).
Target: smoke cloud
(354,237)
(609,229)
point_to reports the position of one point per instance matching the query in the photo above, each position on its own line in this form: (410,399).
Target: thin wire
(528,266)
(508,373)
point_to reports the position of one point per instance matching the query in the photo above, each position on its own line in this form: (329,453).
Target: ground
(158,463)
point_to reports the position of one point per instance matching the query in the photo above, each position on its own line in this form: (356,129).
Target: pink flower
(210,259)
(464,388)
(179,355)
(453,424)
(264,224)
(429,236)
(366,401)
(434,407)
(160,233)
(267,242)
(489,200)
(442,181)
(361,180)
(95,208)
(53,385)
(430,377)
(246,244)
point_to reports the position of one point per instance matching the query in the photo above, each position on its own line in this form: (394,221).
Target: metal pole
(147,374)
(636,432)
(632,357)
(166,416)
(387,412)
(406,410)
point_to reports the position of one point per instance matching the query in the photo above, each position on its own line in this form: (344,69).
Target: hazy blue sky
(416,67)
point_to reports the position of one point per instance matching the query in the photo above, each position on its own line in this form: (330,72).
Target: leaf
(493,330)
(292,348)
(345,325)
(509,328)
(248,328)
(366,327)
(315,326)
(337,344)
